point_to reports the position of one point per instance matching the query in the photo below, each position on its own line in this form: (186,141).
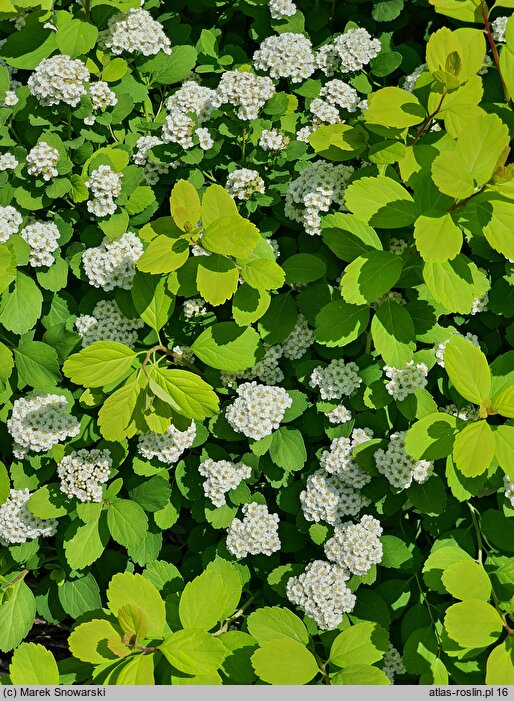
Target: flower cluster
(59,79)
(107,323)
(41,160)
(499,26)
(39,422)
(266,370)
(337,96)
(469,412)
(441,347)
(336,380)
(327,498)
(101,95)
(339,415)
(322,593)
(18,525)
(356,546)
(246,91)
(399,468)
(405,381)
(356,48)
(258,409)
(509,489)
(392,663)
(112,264)
(480,304)
(8,161)
(397,246)
(194,307)
(256,534)
(10,222)
(136,31)
(105,184)
(316,188)
(82,472)
(281,8)
(299,340)
(166,447)
(222,476)
(339,461)
(193,98)
(286,55)
(272,140)
(42,238)
(243,183)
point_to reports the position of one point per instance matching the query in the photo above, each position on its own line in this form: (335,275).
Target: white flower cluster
(101,95)
(356,48)
(399,468)
(339,415)
(392,663)
(468,412)
(397,246)
(222,476)
(322,593)
(243,183)
(356,546)
(509,489)
(441,347)
(8,161)
(82,472)
(143,145)
(42,238)
(246,91)
(183,355)
(339,461)
(166,447)
(178,129)
(281,8)
(410,80)
(42,159)
(328,498)
(193,98)
(336,380)
(105,185)
(258,409)
(498,27)
(272,140)
(136,31)
(107,323)
(17,524)
(59,79)
(404,381)
(113,263)
(300,338)
(256,534)
(480,304)
(316,188)
(286,55)
(194,307)
(39,422)
(10,222)
(338,95)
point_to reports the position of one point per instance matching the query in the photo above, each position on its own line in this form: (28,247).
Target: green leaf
(16,615)
(152,300)
(370,276)
(28,46)
(48,502)
(362,644)
(100,364)
(438,561)
(141,198)
(303,267)
(287,449)
(204,601)
(496,221)
(22,307)
(85,641)
(33,664)
(217,279)
(280,319)
(339,323)
(348,237)
(127,522)
(231,236)
(79,596)
(386,10)
(438,238)
(500,663)
(395,553)
(169,69)
(381,202)
(455,283)
(217,203)
(504,448)
(473,450)
(5,483)
(468,369)
(114,70)
(79,191)
(189,395)
(194,651)
(338,142)
(185,205)
(7,267)
(393,334)
(127,589)
(225,346)
(232,580)
(394,107)
(284,661)
(504,402)
(137,671)
(273,622)
(360,674)
(121,411)
(428,497)
(473,623)
(76,38)
(249,304)
(37,365)
(84,544)
(467,580)
(163,255)
(263,274)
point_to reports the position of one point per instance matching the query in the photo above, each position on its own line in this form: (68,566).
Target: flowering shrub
(256,342)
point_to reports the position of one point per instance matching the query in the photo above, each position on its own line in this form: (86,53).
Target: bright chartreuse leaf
(185,205)
(272,622)
(226,346)
(497,220)
(7,267)
(393,334)
(338,142)
(363,643)
(152,300)
(394,107)
(468,369)
(473,623)
(370,276)
(263,274)
(438,561)
(455,284)
(284,661)
(467,580)
(504,448)
(203,603)
(249,304)
(474,447)
(187,393)
(137,671)
(217,203)
(163,255)
(48,502)
(347,236)
(194,651)
(360,674)
(217,279)
(76,38)
(380,201)
(231,236)
(437,237)
(33,664)
(135,590)
(339,323)
(500,664)
(432,437)
(121,412)
(100,364)
(21,308)
(85,641)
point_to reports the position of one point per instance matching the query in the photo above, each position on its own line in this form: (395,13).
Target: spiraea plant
(256,342)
